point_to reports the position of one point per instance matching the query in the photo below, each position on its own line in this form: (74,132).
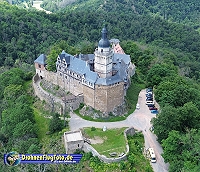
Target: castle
(101,78)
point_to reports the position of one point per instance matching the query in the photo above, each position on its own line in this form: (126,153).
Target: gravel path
(140,120)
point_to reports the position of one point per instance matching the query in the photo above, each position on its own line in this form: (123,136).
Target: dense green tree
(179,119)
(23,129)
(23,145)
(32,33)
(34,149)
(188,117)
(158,73)
(182,150)
(55,124)
(11,92)
(55,51)
(176,91)
(165,122)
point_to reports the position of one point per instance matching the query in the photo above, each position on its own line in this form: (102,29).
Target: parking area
(140,120)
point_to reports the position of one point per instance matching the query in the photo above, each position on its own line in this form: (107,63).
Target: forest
(164,43)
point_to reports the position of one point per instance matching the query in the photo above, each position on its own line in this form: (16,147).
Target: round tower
(103,56)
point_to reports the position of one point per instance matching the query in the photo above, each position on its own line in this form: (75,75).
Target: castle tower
(40,64)
(103,56)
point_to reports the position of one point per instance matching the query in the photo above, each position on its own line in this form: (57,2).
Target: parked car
(137,106)
(149,99)
(154,111)
(149,94)
(149,90)
(153,108)
(151,155)
(149,102)
(151,105)
(151,128)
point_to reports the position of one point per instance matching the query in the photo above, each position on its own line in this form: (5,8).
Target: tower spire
(104,42)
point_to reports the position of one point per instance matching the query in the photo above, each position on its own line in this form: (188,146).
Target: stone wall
(72,146)
(89,96)
(103,98)
(115,96)
(109,97)
(70,84)
(51,77)
(89,148)
(50,99)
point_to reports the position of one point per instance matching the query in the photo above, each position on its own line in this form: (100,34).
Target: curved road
(140,120)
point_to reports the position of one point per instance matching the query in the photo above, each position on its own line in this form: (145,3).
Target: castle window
(65,76)
(101,50)
(60,74)
(39,65)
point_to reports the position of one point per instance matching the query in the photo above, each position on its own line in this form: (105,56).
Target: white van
(152,155)
(137,106)
(149,102)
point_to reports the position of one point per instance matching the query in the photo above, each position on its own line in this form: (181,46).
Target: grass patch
(51,143)
(137,160)
(113,140)
(42,125)
(108,119)
(132,94)
(27,84)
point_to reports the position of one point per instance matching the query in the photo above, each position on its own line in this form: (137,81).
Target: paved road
(36,4)
(140,120)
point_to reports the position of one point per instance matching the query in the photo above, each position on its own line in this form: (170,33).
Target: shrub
(93,129)
(55,123)
(81,105)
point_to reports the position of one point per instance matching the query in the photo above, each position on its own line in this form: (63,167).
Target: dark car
(149,95)
(149,90)
(153,108)
(154,111)
(151,105)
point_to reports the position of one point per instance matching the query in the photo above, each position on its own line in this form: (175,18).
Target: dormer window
(39,65)
(58,59)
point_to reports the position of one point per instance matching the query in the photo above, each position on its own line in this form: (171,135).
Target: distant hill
(181,11)
(32,32)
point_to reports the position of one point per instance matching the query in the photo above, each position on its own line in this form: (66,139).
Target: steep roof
(104,42)
(109,81)
(66,56)
(90,75)
(78,66)
(82,67)
(120,57)
(41,59)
